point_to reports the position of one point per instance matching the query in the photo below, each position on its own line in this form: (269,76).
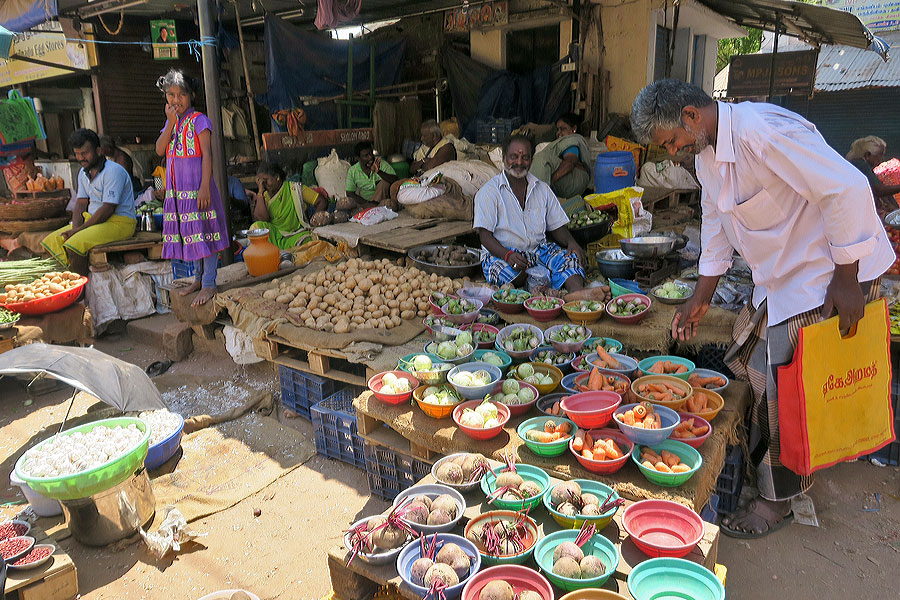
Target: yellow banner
(48,46)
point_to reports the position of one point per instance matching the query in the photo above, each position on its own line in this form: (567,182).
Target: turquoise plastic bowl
(611,345)
(405,362)
(598,546)
(528,473)
(545,448)
(588,486)
(674,579)
(649,362)
(688,455)
(507,361)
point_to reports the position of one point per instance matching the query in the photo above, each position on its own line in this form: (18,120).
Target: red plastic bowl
(375,385)
(475,327)
(519,577)
(634,318)
(437,310)
(43,306)
(697,441)
(605,467)
(662,528)
(546,314)
(591,410)
(481,434)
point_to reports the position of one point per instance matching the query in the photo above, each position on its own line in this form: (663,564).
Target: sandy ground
(281,553)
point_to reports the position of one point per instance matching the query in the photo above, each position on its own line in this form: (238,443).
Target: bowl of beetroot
(461,471)
(378,539)
(508,582)
(430,508)
(438,565)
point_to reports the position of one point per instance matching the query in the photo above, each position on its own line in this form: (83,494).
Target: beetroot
(567,567)
(419,569)
(446,503)
(591,566)
(473,466)
(450,472)
(416,512)
(438,517)
(563,492)
(496,590)
(530,595)
(454,556)
(423,500)
(568,549)
(590,499)
(568,509)
(442,572)
(530,489)
(590,510)
(388,537)
(509,479)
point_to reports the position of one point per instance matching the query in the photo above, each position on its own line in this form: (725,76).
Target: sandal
(762,510)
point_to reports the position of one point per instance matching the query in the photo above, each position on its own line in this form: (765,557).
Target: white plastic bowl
(42,505)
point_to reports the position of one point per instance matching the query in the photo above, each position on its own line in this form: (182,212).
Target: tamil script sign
(877,15)
(795,74)
(466,18)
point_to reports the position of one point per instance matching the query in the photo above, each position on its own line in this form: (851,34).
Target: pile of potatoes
(46,286)
(360,294)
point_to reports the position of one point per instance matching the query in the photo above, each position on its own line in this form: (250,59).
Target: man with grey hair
(804,220)
(436,148)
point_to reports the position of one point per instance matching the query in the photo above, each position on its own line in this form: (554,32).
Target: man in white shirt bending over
(804,220)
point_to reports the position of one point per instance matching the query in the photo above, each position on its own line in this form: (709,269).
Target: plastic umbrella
(118,383)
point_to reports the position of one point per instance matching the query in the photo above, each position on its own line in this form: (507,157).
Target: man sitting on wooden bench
(104,209)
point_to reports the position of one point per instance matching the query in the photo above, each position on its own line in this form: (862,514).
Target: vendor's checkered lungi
(560,263)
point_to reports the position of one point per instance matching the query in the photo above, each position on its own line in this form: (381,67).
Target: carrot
(594,381)
(564,428)
(599,453)
(611,362)
(662,467)
(681,369)
(640,411)
(670,458)
(656,387)
(648,422)
(578,441)
(628,417)
(550,426)
(647,464)
(657,368)
(588,440)
(588,454)
(542,436)
(554,410)
(701,430)
(682,468)
(613,451)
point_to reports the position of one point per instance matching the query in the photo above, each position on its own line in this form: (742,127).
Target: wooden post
(256,138)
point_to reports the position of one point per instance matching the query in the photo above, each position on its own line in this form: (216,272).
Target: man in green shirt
(369,180)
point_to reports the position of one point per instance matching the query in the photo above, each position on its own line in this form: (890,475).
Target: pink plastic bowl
(697,441)
(662,528)
(591,410)
(519,577)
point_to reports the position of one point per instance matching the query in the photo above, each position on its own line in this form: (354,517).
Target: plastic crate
(334,427)
(712,356)
(301,391)
(710,512)
(390,472)
(731,480)
(494,131)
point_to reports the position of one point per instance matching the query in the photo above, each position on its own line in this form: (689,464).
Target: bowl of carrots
(546,436)
(591,410)
(705,404)
(667,365)
(597,380)
(708,379)
(692,430)
(612,361)
(668,464)
(549,404)
(646,423)
(601,451)
(663,390)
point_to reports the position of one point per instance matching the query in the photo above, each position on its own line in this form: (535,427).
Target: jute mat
(444,437)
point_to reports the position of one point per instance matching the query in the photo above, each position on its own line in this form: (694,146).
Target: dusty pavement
(281,554)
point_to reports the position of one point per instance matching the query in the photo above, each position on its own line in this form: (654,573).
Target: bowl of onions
(393,387)
(481,419)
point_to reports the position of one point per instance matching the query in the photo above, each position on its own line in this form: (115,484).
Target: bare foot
(205,295)
(190,289)
(758,518)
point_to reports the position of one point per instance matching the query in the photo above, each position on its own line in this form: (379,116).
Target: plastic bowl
(37,563)
(507,516)
(507,359)
(14,557)
(431,324)
(606,467)
(591,410)
(466,317)
(563,367)
(482,294)
(632,319)
(644,366)
(87,483)
(477,392)
(582,317)
(488,316)
(436,309)
(508,307)
(710,373)
(459,360)
(648,437)
(517,409)
(662,299)
(526,472)
(481,434)
(412,552)
(432,490)
(375,385)
(544,403)
(593,594)
(24,525)
(662,527)
(597,545)
(435,411)
(675,404)
(433,376)
(381,558)
(520,578)
(477,327)
(522,354)
(695,442)
(43,306)
(163,450)
(627,366)
(662,578)
(405,362)
(545,448)
(581,379)
(715,402)
(688,456)
(547,314)
(565,346)
(544,369)
(609,344)
(588,486)
(460,487)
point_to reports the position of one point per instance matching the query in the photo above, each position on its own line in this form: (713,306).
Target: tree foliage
(731,46)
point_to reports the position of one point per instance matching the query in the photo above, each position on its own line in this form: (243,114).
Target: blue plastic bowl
(664,578)
(568,382)
(163,450)
(627,365)
(564,367)
(479,391)
(648,437)
(413,552)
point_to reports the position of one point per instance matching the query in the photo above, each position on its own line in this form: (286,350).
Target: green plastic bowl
(598,546)
(645,364)
(528,473)
(545,448)
(588,486)
(676,578)
(494,516)
(688,455)
(405,362)
(93,481)
(507,360)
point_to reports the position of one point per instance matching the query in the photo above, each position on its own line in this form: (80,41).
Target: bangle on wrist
(506,257)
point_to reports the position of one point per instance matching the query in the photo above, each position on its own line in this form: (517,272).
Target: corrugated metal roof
(838,67)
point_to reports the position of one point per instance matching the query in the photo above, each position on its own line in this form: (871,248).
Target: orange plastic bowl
(605,467)
(591,410)
(715,402)
(43,306)
(375,385)
(435,411)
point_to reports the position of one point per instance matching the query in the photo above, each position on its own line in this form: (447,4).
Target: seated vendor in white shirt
(514,212)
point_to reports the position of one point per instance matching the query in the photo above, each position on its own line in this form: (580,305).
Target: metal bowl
(616,264)
(892,218)
(647,246)
(453,272)
(681,240)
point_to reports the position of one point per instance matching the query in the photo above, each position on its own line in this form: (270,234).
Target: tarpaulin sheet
(20,15)
(301,63)
(480,92)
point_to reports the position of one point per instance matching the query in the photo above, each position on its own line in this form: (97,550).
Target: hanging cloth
(332,13)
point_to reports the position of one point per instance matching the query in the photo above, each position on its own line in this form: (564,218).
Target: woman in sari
(565,164)
(277,209)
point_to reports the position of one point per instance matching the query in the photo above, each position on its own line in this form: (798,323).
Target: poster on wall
(162,34)
(466,18)
(877,15)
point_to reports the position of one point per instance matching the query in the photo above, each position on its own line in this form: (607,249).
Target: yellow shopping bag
(834,399)
(622,200)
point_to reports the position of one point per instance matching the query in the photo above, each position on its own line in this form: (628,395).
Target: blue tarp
(20,15)
(301,63)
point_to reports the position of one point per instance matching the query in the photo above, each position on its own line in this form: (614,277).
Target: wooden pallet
(428,231)
(378,432)
(151,241)
(659,198)
(56,580)
(317,361)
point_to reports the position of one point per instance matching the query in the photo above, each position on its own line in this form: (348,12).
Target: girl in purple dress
(194,223)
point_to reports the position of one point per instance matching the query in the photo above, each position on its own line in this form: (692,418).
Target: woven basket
(34,225)
(30,209)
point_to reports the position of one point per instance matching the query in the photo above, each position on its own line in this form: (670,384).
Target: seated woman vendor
(565,163)
(278,209)
(514,212)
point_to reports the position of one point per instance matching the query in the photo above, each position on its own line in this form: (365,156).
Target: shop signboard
(480,16)
(164,38)
(795,74)
(45,43)
(877,15)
